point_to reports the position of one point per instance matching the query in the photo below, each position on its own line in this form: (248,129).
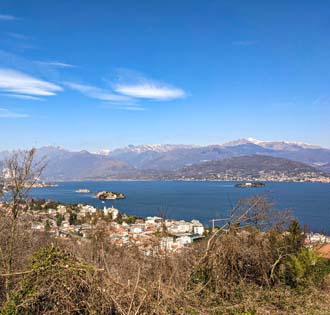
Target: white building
(61,209)
(155,221)
(84,209)
(177,227)
(51,211)
(166,243)
(198,230)
(137,228)
(198,227)
(184,240)
(111,211)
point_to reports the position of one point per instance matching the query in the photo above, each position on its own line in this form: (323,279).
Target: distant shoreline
(180,180)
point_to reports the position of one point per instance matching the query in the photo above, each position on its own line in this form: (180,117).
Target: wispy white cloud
(128,90)
(134,84)
(6,113)
(150,90)
(243,43)
(56,64)
(23,96)
(6,17)
(17,36)
(12,81)
(97,93)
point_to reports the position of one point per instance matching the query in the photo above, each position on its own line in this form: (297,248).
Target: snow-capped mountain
(275,145)
(171,157)
(151,147)
(125,162)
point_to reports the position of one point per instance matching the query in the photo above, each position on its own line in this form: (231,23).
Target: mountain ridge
(146,161)
(251,167)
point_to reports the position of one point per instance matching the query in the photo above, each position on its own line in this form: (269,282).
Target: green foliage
(59,219)
(73,219)
(200,276)
(295,237)
(119,218)
(47,226)
(57,283)
(51,204)
(130,219)
(304,269)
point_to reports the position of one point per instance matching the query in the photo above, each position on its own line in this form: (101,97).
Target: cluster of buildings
(150,234)
(312,238)
(264,176)
(319,242)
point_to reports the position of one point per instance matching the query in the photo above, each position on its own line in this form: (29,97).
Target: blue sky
(104,74)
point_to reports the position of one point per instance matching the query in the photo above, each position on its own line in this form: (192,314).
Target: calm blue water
(309,202)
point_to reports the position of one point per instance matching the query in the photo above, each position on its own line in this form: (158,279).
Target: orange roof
(323,250)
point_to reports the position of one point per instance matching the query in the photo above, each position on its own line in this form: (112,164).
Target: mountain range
(155,161)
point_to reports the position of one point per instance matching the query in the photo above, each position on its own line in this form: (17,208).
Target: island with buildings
(250,185)
(109,195)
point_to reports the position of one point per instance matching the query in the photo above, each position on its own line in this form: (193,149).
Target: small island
(83,191)
(109,195)
(250,185)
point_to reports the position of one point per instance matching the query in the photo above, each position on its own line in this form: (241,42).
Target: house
(166,243)
(51,211)
(111,211)
(137,228)
(176,227)
(61,209)
(198,227)
(184,240)
(84,209)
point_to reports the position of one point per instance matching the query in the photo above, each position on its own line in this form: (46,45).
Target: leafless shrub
(22,172)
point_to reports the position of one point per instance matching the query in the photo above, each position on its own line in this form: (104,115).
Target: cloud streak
(56,64)
(18,36)
(5,113)
(128,91)
(23,97)
(136,85)
(97,93)
(150,90)
(12,81)
(6,17)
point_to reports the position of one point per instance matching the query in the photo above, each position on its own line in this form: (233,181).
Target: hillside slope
(250,167)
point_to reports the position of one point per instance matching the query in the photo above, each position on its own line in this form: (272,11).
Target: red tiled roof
(323,250)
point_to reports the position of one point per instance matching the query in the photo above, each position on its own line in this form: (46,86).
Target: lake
(309,202)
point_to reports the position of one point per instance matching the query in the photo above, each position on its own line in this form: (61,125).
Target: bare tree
(21,172)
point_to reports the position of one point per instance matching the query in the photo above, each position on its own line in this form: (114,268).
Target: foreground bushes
(56,283)
(244,272)
(254,264)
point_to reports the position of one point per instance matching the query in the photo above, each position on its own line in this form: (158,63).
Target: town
(308,177)
(81,221)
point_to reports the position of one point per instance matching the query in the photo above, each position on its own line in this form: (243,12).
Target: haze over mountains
(154,161)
